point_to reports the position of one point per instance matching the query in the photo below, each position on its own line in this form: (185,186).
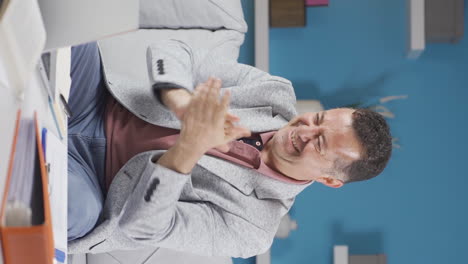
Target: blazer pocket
(221,174)
(97,244)
(188,192)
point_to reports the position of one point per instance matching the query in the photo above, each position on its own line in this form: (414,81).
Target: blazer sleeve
(170,65)
(153,215)
(174,64)
(186,67)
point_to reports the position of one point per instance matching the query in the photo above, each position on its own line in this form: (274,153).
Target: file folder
(28,243)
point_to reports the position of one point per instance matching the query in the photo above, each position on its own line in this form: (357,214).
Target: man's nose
(307,133)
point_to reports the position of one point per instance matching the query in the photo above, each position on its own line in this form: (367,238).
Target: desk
(34,99)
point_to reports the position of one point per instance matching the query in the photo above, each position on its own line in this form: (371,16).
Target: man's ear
(330,182)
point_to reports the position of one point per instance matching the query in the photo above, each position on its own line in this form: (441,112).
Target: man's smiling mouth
(294,142)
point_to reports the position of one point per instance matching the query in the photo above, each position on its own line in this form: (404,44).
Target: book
(26,226)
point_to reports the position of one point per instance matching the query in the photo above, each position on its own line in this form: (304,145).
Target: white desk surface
(35,99)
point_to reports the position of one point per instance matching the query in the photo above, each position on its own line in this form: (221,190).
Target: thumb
(223,148)
(179,112)
(238,132)
(232,118)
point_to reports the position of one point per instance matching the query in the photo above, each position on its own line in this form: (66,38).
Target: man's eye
(299,123)
(319,146)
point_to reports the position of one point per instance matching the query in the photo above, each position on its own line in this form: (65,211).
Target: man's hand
(178,99)
(206,124)
(203,128)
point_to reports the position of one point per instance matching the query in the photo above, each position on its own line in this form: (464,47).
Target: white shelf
(340,255)
(262,27)
(416,28)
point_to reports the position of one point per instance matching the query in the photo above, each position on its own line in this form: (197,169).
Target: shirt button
(258,143)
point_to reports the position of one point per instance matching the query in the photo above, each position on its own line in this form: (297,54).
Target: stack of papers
(19,202)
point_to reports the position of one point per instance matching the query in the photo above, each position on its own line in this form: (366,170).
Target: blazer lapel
(248,180)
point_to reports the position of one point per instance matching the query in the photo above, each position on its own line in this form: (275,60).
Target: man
(219,183)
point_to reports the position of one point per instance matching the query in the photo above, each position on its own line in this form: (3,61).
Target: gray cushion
(76,259)
(206,14)
(153,256)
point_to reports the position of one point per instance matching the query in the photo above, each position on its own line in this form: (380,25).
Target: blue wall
(416,211)
(247,52)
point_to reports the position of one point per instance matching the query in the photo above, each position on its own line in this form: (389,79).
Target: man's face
(308,146)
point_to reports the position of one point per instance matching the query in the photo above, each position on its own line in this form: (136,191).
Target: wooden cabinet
(287,13)
(444,20)
(368,259)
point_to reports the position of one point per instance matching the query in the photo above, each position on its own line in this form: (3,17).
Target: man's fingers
(209,99)
(228,125)
(223,148)
(232,118)
(217,84)
(201,86)
(238,132)
(225,100)
(214,91)
(244,132)
(209,82)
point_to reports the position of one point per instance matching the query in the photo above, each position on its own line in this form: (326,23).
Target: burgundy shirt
(127,136)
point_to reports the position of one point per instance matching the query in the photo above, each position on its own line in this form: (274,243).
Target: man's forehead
(342,136)
(346,145)
(343,112)
(349,153)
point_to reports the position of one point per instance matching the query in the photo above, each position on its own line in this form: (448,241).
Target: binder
(33,243)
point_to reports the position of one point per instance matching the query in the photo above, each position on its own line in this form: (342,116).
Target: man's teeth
(293,140)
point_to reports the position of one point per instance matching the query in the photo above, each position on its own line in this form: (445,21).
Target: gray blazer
(220,208)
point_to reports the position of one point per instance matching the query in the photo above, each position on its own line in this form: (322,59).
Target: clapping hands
(206,123)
